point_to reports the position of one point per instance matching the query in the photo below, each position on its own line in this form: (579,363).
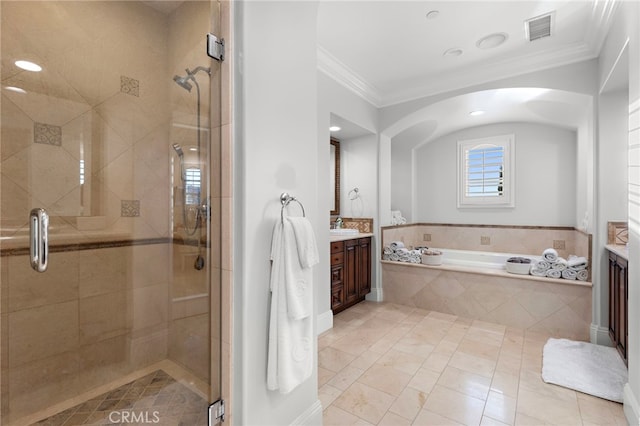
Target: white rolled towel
(577,262)
(542,265)
(396,245)
(394,257)
(582,275)
(560,264)
(386,256)
(554,273)
(550,255)
(387,250)
(569,274)
(538,272)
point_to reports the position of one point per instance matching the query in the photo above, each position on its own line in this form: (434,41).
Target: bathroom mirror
(334,173)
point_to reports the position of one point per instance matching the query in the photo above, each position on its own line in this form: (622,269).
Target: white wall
(545,179)
(359,163)
(612,197)
(402,181)
(626,27)
(579,77)
(333,98)
(275,140)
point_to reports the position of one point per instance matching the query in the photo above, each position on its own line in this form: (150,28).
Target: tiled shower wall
(95,315)
(106,98)
(530,240)
(91,135)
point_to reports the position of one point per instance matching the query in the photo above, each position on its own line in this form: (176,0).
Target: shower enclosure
(109,128)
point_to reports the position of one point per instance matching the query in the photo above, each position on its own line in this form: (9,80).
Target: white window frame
(506,200)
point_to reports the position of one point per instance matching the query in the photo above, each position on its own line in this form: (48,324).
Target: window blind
(484,171)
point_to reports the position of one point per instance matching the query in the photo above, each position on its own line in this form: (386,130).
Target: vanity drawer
(337,246)
(337,258)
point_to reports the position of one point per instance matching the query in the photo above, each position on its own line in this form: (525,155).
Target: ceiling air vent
(538,27)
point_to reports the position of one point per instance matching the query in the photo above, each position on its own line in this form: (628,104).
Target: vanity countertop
(334,238)
(619,250)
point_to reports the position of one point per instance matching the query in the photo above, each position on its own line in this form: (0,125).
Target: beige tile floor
(389,364)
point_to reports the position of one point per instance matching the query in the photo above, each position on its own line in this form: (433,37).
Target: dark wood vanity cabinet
(350,272)
(618,296)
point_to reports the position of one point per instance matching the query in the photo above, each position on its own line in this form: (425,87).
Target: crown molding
(600,22)
(498,70)
(342,74)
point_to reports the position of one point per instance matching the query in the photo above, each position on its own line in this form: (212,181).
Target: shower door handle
(39,227)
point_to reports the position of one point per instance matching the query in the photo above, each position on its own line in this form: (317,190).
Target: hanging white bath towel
(290,356)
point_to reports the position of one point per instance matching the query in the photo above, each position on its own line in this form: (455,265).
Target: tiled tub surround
(96,314)
(556,307)
(504,239)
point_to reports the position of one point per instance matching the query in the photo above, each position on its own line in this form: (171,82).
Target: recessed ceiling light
(453,52)
(28,66)
(433,14)
(15,89)
(476,112)
(334,128)
(492,40)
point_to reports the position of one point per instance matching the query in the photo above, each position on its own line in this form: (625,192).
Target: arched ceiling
(534,105)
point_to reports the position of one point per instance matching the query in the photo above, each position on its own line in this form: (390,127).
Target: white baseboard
(375,295)
(312,416)
(631,407)
(324,322)
(599,335)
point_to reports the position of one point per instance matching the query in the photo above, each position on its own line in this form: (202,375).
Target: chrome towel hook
(285,199)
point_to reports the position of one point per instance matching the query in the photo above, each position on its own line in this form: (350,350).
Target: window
(485,176)
(192,186)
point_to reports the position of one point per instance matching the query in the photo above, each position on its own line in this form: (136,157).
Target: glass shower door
(107,110)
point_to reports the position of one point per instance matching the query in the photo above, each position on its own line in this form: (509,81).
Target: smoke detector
(539,27)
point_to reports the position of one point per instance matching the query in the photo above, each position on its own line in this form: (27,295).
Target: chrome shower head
(182,82)
(178,149)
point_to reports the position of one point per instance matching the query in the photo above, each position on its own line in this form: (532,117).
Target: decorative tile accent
(130,86)
(155,398)
(618,233)
(130,208)
(363,225)
(47,134)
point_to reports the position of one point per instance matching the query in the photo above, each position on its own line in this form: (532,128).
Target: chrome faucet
(338,223)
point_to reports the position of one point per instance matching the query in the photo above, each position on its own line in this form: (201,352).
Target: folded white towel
(569,274)
(298,280)
(305,241)
(560,264)
(554,273)
(577,262)
(582,274)
(290,351)
(550,255)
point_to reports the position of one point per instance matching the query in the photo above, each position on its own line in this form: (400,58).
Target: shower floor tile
(156,398)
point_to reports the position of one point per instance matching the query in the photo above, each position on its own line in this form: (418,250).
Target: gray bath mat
(593,369)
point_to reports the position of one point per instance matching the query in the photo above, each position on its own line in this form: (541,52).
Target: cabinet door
(351,270)
(337,287)
(621,299)
(613,314)
(364,266)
